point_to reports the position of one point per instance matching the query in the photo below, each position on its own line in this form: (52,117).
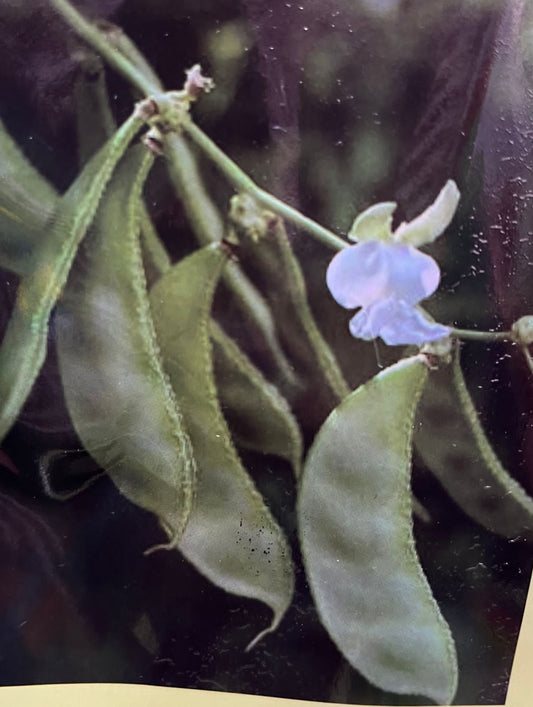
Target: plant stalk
(97,39)
(472,335)
(242,182)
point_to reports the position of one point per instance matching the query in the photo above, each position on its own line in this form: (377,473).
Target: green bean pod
(356,534)
(231,537)
(27,202)
(288,264)
(95,124)
(453,445)
(258,415)
(119,398)
(24,345)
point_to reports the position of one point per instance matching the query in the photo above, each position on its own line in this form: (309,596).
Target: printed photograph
(266,348)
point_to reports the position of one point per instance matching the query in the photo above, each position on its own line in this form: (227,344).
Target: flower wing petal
(369,321)
(358,275)
(433,221)
(410,326)
(374,224)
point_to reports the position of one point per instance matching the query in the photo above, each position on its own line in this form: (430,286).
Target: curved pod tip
(356,532)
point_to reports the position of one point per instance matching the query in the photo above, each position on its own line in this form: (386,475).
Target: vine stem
(242,182)
(495,336)
(97,39)
(473,335)
(124,57)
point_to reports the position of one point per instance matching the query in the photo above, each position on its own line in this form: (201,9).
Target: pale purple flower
(386,276)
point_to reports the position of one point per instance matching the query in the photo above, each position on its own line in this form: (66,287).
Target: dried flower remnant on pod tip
(386,276)
(196,83)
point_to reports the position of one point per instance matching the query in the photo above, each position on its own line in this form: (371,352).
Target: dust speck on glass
(213,475)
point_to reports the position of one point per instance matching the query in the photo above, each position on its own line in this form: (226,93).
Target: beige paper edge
(520,693)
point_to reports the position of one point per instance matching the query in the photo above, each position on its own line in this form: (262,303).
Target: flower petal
(412,275)
(433,221)
(396,322)
(410,326)
(369,321)
(358,275)
(374,224)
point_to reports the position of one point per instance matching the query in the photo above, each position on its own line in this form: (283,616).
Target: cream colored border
(520,692)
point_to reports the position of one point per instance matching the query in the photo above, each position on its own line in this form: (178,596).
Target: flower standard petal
(412,275)
(358,275)
(374,224)
(433,221)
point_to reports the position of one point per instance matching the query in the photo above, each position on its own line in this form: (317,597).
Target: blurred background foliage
(332,105)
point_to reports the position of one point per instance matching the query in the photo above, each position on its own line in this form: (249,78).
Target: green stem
(473,335)
(203,215)
(183,171)
(242,182)
(118,39)
(146,84)
(97,39)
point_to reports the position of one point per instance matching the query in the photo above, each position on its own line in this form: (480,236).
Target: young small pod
(27,202)
(451,441)
(276,270)
(356,533)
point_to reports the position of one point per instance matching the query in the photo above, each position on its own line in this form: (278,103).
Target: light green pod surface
(258,415)
(356,534)
(95,124)
(23,348)
(27,202)
(231,536)
(120,401)
(452,444)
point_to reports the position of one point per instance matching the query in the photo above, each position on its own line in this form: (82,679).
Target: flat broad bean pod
(451,442)
(118,396)
(208,227)
(258,415)
(356,533)
(27,203)
(23,348)
(95,124)
(231,536)
(64,473)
